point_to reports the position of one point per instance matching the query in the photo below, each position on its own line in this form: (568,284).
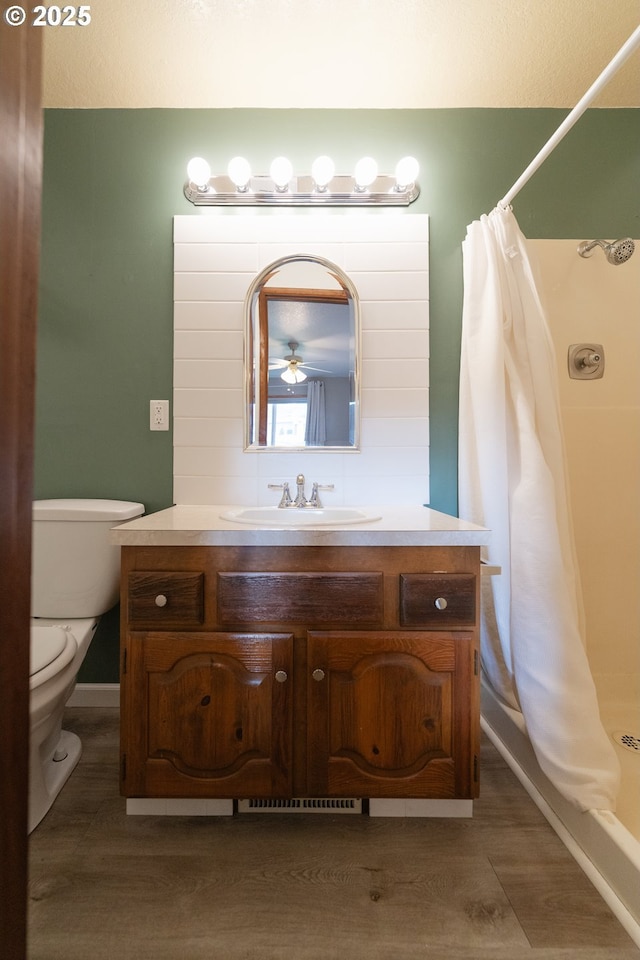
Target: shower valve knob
(590,360)
(586,361)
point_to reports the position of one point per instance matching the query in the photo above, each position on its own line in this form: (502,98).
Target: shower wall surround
(215,259)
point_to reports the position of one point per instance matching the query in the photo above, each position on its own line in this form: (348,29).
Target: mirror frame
(256,374)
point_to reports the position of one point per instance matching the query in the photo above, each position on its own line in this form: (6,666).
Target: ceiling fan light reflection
(293,375)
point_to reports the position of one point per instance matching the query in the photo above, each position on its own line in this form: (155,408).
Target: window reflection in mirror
(301,357)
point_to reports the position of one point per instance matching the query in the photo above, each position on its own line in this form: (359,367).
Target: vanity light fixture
(365,173)
(199,173)
(322,187)
(281,172)
(239,171)
(406,173)
(323,171)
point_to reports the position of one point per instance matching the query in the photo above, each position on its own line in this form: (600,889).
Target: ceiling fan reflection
(292,365)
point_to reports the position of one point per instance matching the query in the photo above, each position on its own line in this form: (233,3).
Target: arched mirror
(302,334)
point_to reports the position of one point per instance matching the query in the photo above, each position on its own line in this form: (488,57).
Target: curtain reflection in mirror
(315,434)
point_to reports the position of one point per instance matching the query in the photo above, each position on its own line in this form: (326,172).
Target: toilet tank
(75,570)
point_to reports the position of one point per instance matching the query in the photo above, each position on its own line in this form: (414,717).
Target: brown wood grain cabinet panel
(384,709)
(437,600)
(166,598)
(214,717)
(349,598)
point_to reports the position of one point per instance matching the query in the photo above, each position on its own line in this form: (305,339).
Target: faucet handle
(285,499)
(314,500)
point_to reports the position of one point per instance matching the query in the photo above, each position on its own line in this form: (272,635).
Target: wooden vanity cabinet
(302,671)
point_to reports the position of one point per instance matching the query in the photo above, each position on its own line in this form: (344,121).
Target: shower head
(618,251)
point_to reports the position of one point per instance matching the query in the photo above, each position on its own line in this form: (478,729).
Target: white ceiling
(341,53)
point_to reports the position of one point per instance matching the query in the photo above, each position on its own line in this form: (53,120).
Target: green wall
(112,184)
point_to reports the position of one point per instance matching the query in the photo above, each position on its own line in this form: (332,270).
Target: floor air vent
(302,805)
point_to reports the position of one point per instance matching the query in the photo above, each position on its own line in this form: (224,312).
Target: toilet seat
(51,650)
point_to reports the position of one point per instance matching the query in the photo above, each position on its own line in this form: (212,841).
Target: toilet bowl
(52,753)
(75,579)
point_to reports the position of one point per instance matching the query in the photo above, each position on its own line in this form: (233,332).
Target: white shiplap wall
(215,259)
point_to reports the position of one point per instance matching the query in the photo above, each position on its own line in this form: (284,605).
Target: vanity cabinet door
(392,714)
(207,715)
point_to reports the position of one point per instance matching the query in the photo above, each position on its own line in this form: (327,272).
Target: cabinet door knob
(161,600)
(440,603)
(318,674)
(281,676)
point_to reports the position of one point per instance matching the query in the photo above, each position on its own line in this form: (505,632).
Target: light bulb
(365,173)
(199,172)
(239,172)
(293,375)
(322,171)
(281,172)
(407,171)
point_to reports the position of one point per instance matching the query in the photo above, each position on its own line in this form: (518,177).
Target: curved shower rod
(609,71)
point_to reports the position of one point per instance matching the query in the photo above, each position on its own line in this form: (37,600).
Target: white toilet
(75,579)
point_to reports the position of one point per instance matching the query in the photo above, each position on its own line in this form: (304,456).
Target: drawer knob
(161,600)
(318,674)
(281,676)
(440,603)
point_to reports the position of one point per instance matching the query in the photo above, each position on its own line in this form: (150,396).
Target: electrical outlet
(158,415)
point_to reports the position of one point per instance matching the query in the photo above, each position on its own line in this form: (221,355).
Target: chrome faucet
(300,499)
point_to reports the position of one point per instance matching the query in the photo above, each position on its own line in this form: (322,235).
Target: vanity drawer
(437,599)
(353,598)
(166,598)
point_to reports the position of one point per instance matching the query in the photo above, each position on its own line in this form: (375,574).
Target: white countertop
(203,526)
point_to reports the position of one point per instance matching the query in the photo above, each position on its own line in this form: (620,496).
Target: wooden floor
(500,886)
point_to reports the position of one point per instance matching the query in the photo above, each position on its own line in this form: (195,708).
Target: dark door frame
(20,192)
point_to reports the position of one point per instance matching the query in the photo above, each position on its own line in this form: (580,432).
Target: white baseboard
(420,808)
(95,695)
(178,807)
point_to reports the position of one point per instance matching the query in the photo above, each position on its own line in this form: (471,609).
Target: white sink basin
(298,516)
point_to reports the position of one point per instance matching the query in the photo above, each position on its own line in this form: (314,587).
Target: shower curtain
(513,480)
